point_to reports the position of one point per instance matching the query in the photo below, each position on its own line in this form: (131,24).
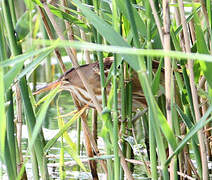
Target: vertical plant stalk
(70,32)
(192,31)
(153,158)
(168,75)
(129,125)
(92,163)
(83,37)
(125,166)
(48,30)
(7,138)
(194,94)
(103,89)
(100,59)
(209,7)
(86,52)
(185,166)
(3,120)
(150,135)
(18,111)
(157,20)
(94,125)
(178,131)
(141,155)
(94,145)
(12,10)
(178,23)
(203,101)
(182,161)
(176,13)
(62,164)
(78,139)
(188,159)
(73,60)
(18,104)
(10,135)
(205,13)
(98,39)
(123,111)
(115,20)
(19,126)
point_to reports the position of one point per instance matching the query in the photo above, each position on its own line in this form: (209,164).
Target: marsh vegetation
(151,116)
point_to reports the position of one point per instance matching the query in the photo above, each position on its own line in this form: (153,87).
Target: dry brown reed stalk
(178,23)
(83,37)
(94,124)
(93,144)
(191,165)
(168,74)
(48,30)
(204,106)
(184,164)
(92,163)
(205,13)
(194,93)
(157,20)
(70,32)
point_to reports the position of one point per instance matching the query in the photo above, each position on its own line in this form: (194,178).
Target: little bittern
(71,81)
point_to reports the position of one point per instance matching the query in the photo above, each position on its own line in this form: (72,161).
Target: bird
(71,81)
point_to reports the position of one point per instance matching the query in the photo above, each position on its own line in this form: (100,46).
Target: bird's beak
(48,87)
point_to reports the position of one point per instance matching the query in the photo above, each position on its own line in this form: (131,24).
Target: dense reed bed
(165,44)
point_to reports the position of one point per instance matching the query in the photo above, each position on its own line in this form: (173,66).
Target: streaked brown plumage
(71,81)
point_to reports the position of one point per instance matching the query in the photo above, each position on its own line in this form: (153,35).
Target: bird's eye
(65,79)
